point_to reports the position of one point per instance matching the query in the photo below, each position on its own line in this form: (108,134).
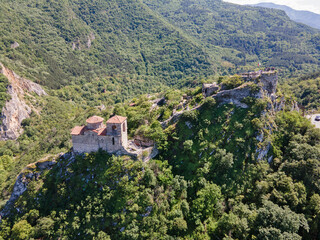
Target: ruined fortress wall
(269,82)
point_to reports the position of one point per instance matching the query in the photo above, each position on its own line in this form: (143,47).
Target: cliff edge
(16,109)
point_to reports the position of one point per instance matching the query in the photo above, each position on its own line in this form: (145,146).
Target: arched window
(114,127)
(124,127)
(113,141)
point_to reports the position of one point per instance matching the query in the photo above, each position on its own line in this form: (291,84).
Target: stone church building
(111,137)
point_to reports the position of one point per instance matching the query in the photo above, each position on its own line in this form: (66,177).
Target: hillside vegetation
(222,172)
(251,34)
(76,42)
(208,183)
(131,47)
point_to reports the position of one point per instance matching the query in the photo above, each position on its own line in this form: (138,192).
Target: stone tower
(95,135)
(117,133)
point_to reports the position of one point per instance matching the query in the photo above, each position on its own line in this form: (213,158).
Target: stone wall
(269,82)
(209,89)
(112,148)
(114,129)
(124,135)
(94,125)
(89,142)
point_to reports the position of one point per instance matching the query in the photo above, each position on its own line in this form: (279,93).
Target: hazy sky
(310,5)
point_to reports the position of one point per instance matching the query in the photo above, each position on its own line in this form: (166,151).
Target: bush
(21,230)
(232,82)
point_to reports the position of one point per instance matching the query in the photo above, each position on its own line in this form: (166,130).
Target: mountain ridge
(307,17)
(72,42)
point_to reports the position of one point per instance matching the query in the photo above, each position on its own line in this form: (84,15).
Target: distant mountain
(245,34)
(306,17)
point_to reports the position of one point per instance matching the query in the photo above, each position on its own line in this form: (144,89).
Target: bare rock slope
(16,109)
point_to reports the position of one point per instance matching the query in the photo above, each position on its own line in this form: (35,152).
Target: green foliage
(206,185)
(232,82)
(306,90)
(238,36)
(82,42)
(4,96)
(22,230)
(98,196)
(274,221)
(217,145)
(208,202)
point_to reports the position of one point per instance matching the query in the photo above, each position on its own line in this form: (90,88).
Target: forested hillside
(251,34)
(76,42)
(131,47)
(228,169)
(206,183)
(306,90)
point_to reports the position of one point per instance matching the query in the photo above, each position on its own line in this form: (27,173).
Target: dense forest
(222,172)
(132,47)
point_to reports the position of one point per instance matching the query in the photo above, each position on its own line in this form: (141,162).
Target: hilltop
(222,169)
(236,159)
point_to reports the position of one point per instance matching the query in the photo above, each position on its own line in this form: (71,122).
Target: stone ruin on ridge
(266,80)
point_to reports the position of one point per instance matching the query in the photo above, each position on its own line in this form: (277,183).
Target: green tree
(208,202)
(21,230)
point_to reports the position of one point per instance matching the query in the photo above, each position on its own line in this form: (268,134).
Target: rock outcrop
(16,109)
(30,173)
(257,85)
(237,95)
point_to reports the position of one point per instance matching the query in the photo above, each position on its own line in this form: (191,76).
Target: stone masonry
(111,137)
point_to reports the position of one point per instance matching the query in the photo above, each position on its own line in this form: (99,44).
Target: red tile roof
(94,119)
(77,130)
(101,131)
(116,119)
(80,130)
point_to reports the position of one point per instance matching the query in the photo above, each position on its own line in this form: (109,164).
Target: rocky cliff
(16,109)
(31,172)
(237,95)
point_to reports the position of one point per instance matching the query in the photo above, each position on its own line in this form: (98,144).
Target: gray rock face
(16,109)
(236,95)
(26,176)
(266,80)
(19,188)
(12,115)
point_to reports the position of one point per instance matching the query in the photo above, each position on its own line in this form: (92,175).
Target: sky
(309,5)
